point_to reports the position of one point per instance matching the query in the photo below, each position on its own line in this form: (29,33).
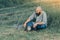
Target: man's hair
(39,7)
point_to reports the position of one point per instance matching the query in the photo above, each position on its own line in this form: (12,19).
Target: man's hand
(24,25)
(40,23)
(34,26)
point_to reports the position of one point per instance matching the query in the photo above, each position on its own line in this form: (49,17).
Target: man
(38,20)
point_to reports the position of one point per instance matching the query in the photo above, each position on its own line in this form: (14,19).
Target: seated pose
(38,20)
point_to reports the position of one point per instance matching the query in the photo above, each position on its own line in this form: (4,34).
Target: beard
(37,14)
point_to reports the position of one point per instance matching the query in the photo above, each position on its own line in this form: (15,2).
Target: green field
(11,16)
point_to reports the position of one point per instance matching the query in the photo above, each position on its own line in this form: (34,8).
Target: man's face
(38,11)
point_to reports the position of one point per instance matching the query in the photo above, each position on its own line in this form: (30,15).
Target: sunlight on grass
(54,4)
(48,1)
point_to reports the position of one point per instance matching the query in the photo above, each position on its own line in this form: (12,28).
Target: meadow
(11,16)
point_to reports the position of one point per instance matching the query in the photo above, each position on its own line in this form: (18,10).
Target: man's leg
(43,26)
(29,25)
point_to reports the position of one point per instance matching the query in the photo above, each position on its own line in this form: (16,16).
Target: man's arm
(26,22)
(29,19)
(40,23)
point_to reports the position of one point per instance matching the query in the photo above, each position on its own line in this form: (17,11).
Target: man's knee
(41,26)
(29,24)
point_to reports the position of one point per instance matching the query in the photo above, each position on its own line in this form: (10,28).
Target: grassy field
(10,17)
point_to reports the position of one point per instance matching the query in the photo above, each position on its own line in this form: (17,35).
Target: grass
(10,16)
(13,34)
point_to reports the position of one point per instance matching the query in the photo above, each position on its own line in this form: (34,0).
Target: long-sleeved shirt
(41,18)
